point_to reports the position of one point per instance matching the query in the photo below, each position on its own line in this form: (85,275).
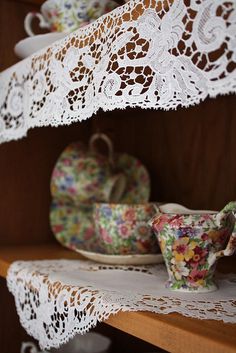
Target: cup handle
(28,22)
(115,188)
(228,251)
(105,138)
(230,248)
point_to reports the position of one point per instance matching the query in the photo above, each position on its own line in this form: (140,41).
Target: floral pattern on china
(74,190)
(123,229)
(68,15)
(191,242)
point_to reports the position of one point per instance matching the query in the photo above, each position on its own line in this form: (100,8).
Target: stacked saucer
(83,177)
(60,17)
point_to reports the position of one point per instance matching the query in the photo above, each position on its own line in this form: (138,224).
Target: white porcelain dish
(138,259)
(31,45)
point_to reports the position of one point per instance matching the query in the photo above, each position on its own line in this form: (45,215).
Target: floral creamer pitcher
(191,242)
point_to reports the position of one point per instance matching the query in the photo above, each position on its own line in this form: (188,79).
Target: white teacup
(67,15)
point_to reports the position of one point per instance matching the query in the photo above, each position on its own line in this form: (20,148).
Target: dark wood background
(190,154)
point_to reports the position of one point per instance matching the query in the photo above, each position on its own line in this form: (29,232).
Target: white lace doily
(150,54)
(56,299)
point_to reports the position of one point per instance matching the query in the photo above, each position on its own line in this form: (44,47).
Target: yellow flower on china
(183,249)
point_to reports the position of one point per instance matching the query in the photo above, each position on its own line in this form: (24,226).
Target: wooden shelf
(172,332)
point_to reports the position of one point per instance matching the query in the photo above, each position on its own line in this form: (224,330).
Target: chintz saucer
(31,45)
(65,176)
(71,221)
(73,226)
(134,259)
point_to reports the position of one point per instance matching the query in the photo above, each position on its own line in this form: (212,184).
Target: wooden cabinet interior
(121,342)
(190,154)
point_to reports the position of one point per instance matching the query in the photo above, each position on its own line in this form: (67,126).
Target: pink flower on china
(72,191)
(105,236)
(206,217)
(67,162)
(159,223)
(124,230)
(57,228)
(89,233)
(176,221)
(129,215)
(57,173)
(197,277)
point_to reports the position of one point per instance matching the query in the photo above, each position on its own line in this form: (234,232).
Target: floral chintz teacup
(122,229)
(68,15)
(84,176)
(191,244)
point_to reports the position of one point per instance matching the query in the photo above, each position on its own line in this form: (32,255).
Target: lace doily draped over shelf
(148,54)
(56,299)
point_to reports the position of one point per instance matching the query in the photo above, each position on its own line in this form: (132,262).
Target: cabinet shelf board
(172,332)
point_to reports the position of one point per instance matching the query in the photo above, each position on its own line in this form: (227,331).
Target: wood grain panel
(12,16)
(26,165)
(190,153)
(25,170)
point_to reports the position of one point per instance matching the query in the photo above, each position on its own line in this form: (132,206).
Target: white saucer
(30,45)
(145,259)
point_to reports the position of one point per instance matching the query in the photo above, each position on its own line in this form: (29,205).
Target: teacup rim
(197,213)
(125,204)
